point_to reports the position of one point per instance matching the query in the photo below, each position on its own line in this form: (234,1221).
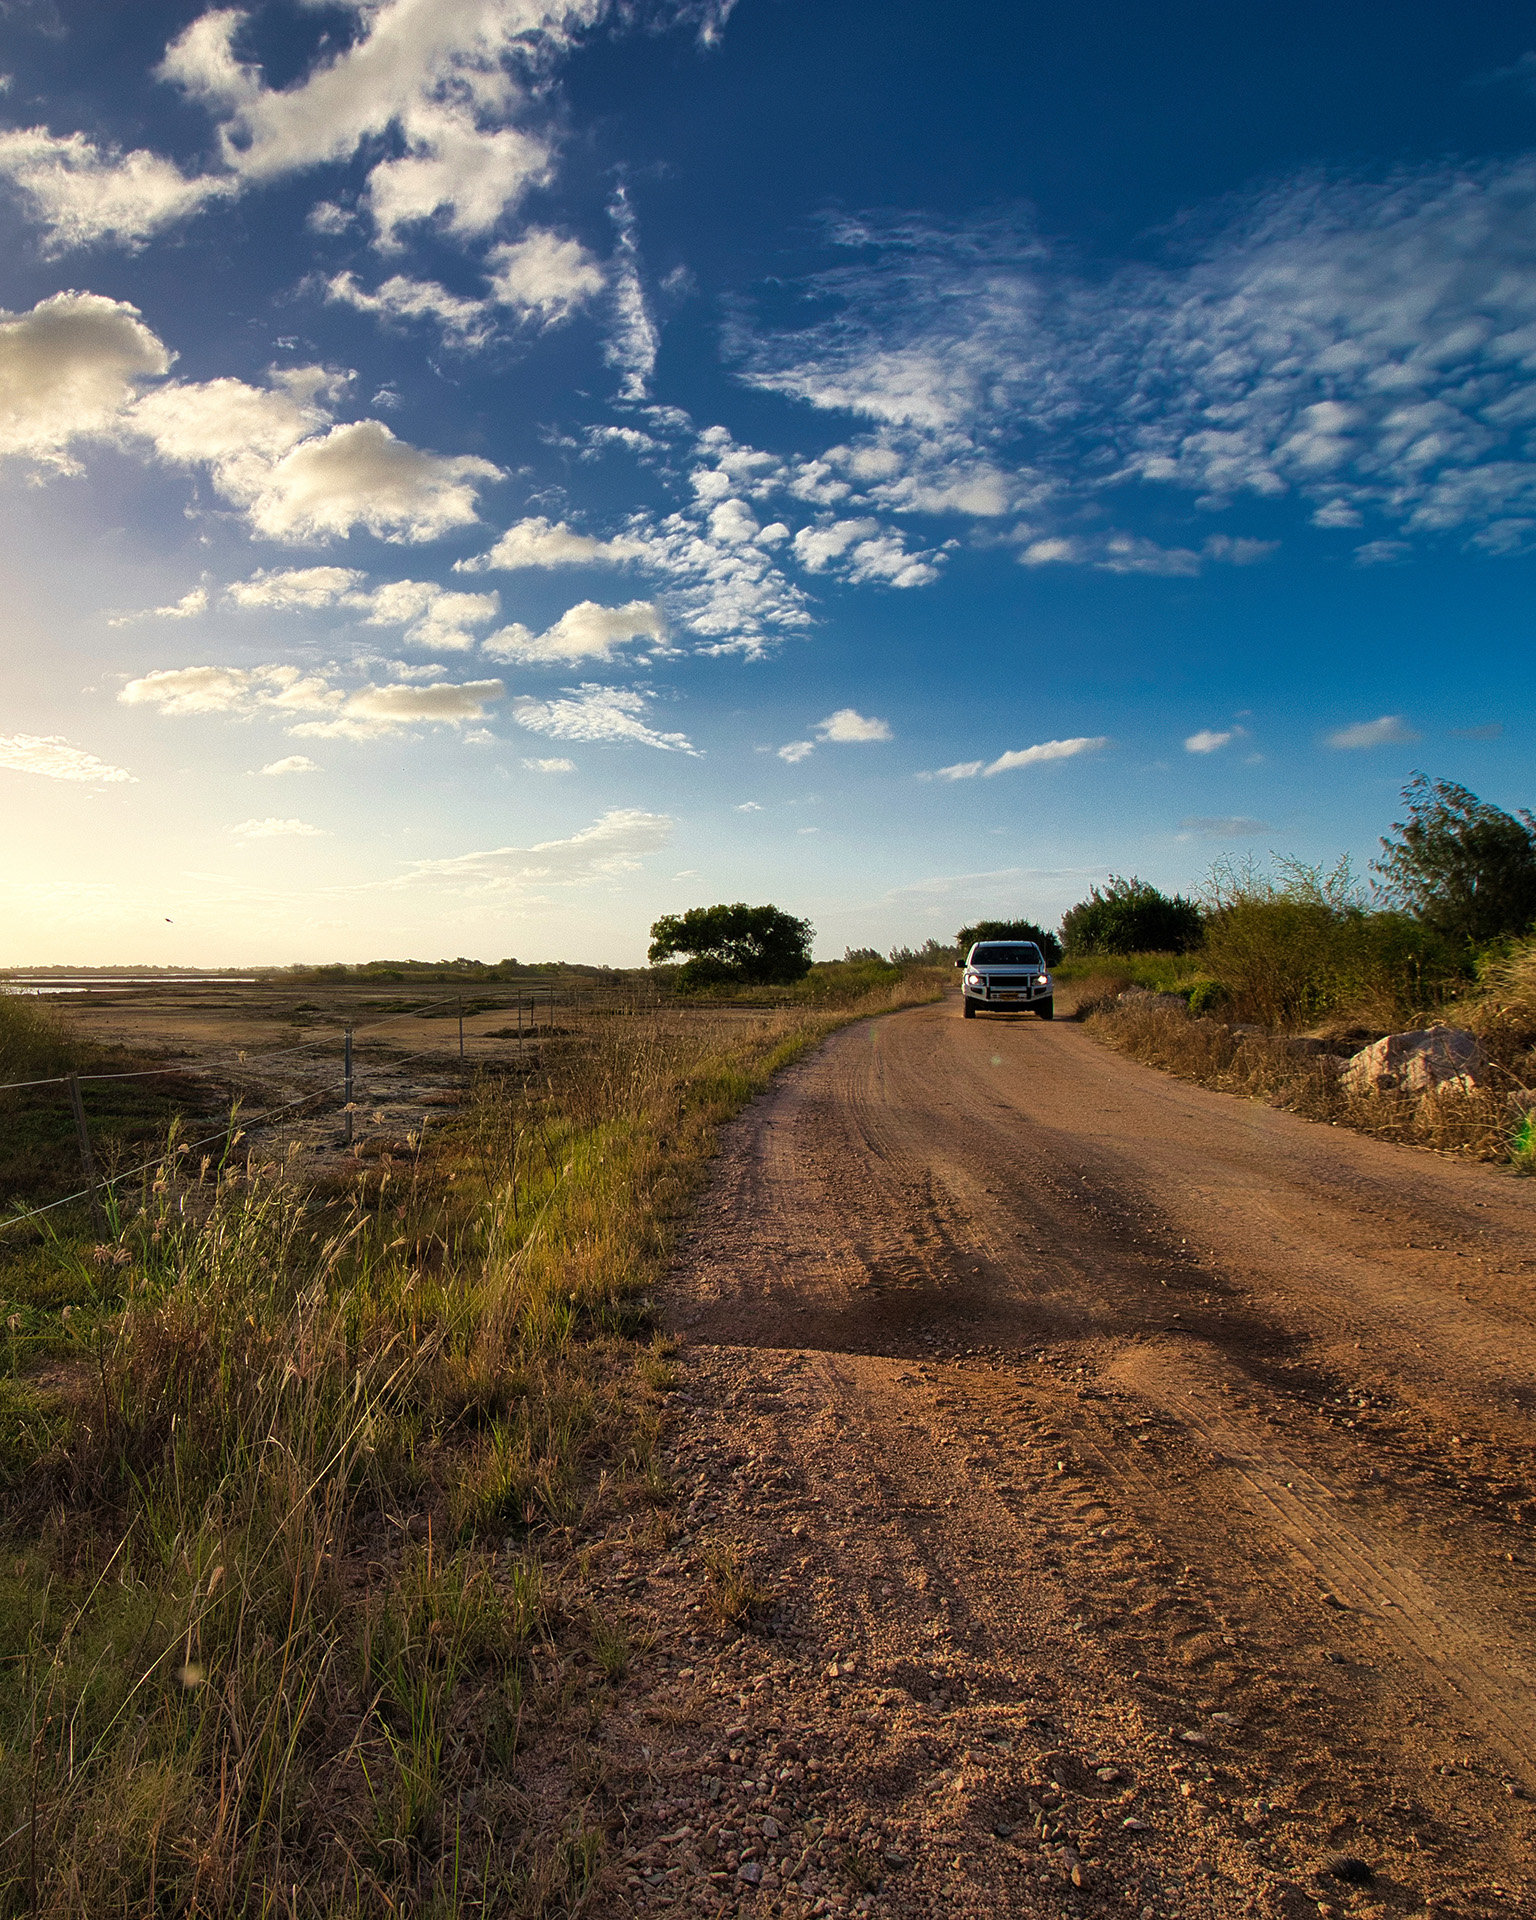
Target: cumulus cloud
(290,763)
(69,370)
(458,85)
(863,551)
(1020,757)
(848,725)
(52,757)
(376,712)
(81,193)
(274,829)
(360,475)
(536,542)
(289,588)
(594,712)
(586,631)
(544,276)
(310,704)
(462,322)
(616,843)
(796,751)
(1391,730)
(556,763)
(433,617)
(1210,740)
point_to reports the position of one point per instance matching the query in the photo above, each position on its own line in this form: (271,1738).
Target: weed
(610,1646)
(731,1594)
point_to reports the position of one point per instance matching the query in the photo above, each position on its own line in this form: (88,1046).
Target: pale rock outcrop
(1433,1060)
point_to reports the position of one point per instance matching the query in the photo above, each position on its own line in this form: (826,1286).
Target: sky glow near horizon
(476,475)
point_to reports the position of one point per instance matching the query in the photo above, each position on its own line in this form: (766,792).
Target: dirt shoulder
(1139,1481)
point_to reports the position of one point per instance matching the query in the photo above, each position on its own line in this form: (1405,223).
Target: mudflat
(1140,1481)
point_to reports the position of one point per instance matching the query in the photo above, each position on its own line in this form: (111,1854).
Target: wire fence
(531,1002)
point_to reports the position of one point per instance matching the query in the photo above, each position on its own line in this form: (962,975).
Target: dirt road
(1143,1480)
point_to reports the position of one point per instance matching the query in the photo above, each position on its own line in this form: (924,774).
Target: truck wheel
(1046,1008)
(970,1009)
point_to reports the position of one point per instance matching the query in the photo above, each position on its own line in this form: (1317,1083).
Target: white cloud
(307,588)
(52,757)
(81,193)
(594,712)
(536,542)
(1209,740)
(847,725)
(433,617)
(632,342)
(360,475)
(961,770)
(1020,757)
(274,829)
(543,276)
(748,806)
(463,322)
(191,603)
(1381,553)
(290,763)
(377,712)
(1367,345)
(69,369)
(586,631)
(796,751)
(311,705)
(1391,730)
(555,764)
(863,551)
(1047,750)
(450,77)
(616,843)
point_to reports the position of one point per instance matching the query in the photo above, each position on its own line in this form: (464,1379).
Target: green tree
(1048,944)
(1131,916)
(734,946)
(1464,868)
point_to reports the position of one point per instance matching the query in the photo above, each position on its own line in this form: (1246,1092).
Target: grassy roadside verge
(1492,1123)
(297,1486)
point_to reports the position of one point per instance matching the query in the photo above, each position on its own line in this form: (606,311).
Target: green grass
(293,1486)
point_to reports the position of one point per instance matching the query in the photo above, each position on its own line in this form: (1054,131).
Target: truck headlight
(974,980)
(1044,980)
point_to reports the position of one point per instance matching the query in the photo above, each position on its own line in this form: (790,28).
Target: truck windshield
(1000,956)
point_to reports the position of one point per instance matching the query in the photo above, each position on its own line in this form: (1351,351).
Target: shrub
(1464,868)
(1048,944)
(1209,996)
(1131,916)
(1295,949)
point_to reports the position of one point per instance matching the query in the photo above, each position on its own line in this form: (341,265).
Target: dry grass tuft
(292,1521)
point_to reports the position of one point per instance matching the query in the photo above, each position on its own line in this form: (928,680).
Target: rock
(1109,1775)
(749,1873)
(1432,1060)
(770,1828)
(1144,1001)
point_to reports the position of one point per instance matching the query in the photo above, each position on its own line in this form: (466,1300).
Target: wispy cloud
(53,758)
(595,712)
(1391,730)
(274,829)
(1222,827)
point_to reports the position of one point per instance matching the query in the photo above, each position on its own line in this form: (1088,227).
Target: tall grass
(290,1511)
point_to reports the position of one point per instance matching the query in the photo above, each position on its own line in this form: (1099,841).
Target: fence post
(347,1085)
(87,1158)
(461,1030)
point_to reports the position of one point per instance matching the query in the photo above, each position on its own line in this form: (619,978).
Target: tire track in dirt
(1213,1427)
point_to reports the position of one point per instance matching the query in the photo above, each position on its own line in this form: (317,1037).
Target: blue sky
(476,475)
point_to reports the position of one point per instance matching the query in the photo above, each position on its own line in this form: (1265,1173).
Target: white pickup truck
(1007,976)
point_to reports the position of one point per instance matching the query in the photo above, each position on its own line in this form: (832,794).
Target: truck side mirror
(959,963)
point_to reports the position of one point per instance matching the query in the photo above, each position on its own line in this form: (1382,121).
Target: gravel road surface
(1140,1482)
